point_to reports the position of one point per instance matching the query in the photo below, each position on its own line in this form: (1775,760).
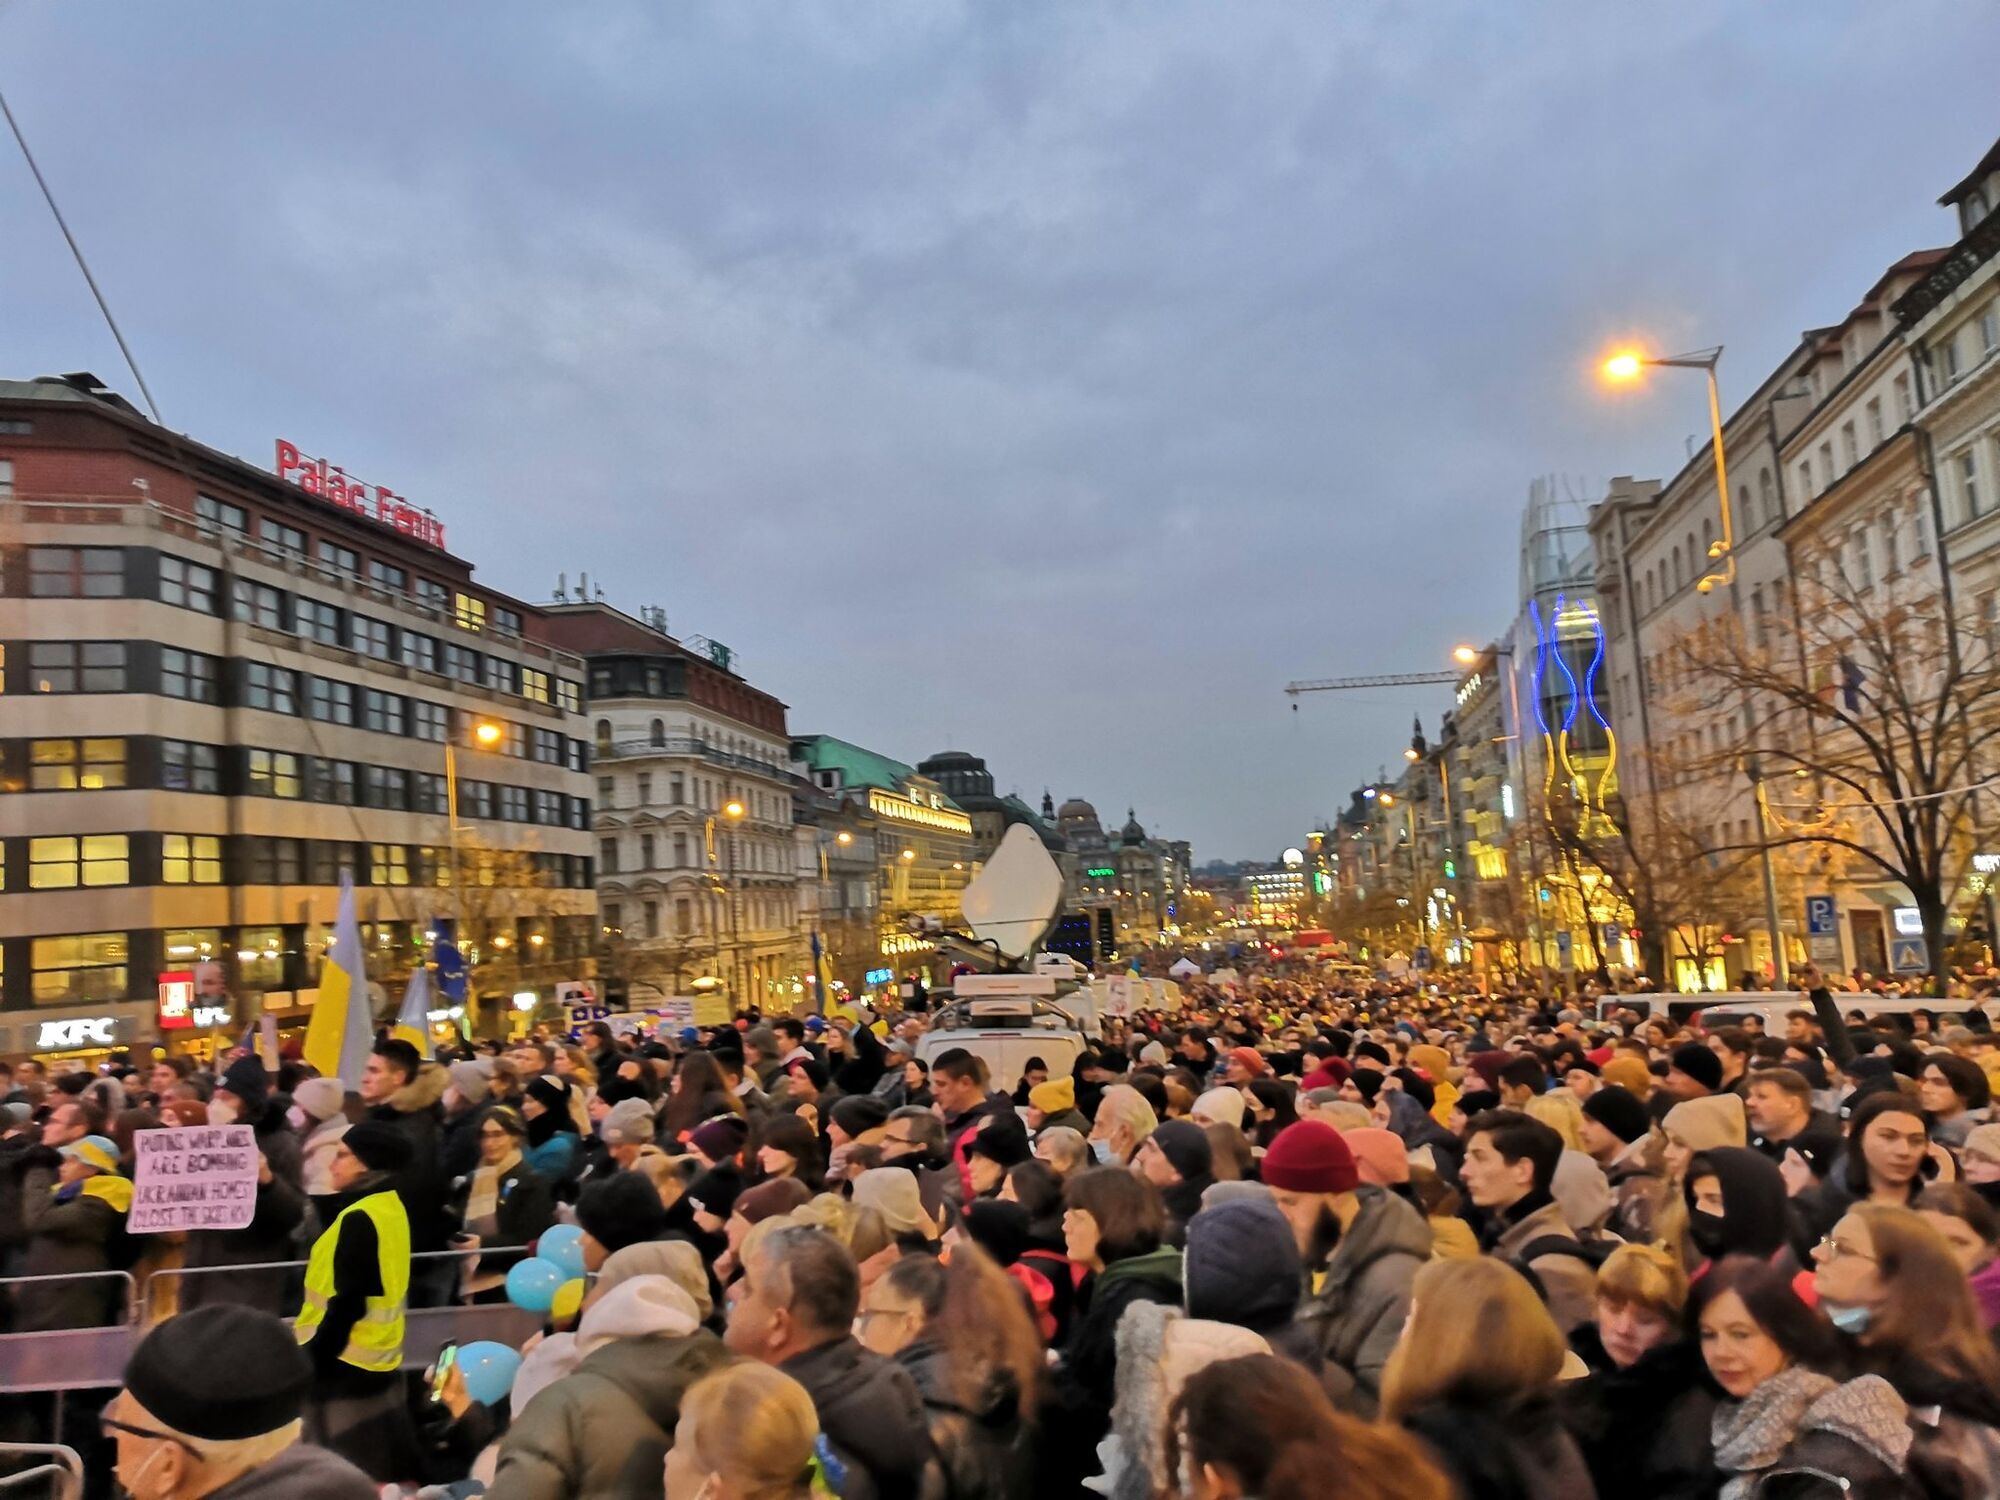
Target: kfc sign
(377,502)
(85,1031)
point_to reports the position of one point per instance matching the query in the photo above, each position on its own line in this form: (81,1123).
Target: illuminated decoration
(1507,800)
(379,503)
(1293,857)
(905,810)
(903,942)
(1101,873)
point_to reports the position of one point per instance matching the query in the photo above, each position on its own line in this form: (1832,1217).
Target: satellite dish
(1185,969)
(1013,901)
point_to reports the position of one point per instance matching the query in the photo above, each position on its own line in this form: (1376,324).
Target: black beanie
(549,1092)
(1700,1064)
(220,1373)
(624,1209)
(1002,1139)
(860,1112)
(247,1080)
(1619,1111)
(715,1191)
(380,1145)
(1185,1146)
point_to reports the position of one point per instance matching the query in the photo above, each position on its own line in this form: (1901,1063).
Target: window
(269,687)
(1922,547)
(280,537)
(76,573)
(607,791)
(95,859)
(387,575)
(549,808)
(88,968)
(603,734)
(680,851)
(1905,408)
(1948,357)
(579,813)
(569,697)
(77,666)
(430,865)
(189,585)
(677,789)
(388,864)
(682,916)
(431,593)
(461,664)
(468,612)
(502,676)
(1989,328)
(190,859)
(548,747)
(331,781)
(607,858)
(382,712)
(645,851)
(260,605)
(319,622)
(1968,481)
(512,804)
(221,513)
(374,638)
(76,765)
(429,721)
(1875,429)
(652,911)
(1850,453)
(475,799)
(340,559)
(187,767)
(534,685)
(427,793)
(1892,546)
(506,621)
(612,913)
(1826,469)
(327,861)
(420,652)
(190,675)
(658,733)
(1805,481)
(385,786)
(272,773)
(1864,561)
(645,789)
(330,702)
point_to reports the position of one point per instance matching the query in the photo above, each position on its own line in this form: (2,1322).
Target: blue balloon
(562,1247)
(488,1369)
(531,1284)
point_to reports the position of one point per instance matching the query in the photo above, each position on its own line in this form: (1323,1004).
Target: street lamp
(1780,969)
(732,810)
(1624,368)
(484,734)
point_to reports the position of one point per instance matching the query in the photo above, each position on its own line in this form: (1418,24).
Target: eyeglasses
(1830,1250)
(867,1313)
(111,1425)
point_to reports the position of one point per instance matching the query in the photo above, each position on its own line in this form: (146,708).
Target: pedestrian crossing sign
(1909,955)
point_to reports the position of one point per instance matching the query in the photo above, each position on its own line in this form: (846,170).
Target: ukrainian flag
(341,1032)
(413,1021)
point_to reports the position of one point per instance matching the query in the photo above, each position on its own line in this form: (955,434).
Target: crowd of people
(1295,1239)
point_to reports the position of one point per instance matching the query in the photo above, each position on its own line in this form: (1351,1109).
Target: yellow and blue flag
(342,1032)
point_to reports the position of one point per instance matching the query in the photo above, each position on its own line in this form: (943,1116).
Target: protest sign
(202,1177)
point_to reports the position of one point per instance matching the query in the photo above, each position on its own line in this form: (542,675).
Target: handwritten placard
(202,1177)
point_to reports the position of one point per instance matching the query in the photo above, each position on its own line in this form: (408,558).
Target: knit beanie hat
(893,1193)
(220,1373)
(319,1098)
(1235,1190)
(1619,1111)
(247,1080)
(1251,1059)
(380,1146)
(623,1209)
(859,1113)
(716,1191)
(1379,1155)
(1054,1097)
(1310,1157)
(1002,1139)
(1631,1073)
(630,1123)
(469,1081)
(721,1138)
(814,1070)
(1185,1146)
(676,1260)
(1241,1264)
(1488,1065)
(778,1196)
(1477,1102)
(97,1152)
(1223,1106)
(1003,1230)
(550,1092)
(1704,1124)
(1700,1064)
(1433,1060)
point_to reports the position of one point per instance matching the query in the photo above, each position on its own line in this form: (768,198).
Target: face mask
(1854,1320)
(1708,1233)
(125,1485)
(297,1117)
(221,1112)
(1103,1152)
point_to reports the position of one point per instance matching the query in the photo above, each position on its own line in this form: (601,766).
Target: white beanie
(1223,1106)
(319,1098)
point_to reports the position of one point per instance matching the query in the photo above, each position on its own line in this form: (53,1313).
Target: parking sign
(1822,917)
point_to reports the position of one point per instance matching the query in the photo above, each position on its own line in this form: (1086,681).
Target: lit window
(76,765)
(467,612)
(273,773)
(388,864)
(95,859)
(190,859)
(534,685)
(81,969)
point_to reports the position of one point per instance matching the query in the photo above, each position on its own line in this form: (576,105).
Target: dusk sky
(1048,380)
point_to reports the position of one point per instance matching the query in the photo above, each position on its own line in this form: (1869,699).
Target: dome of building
(1076,810)
(1132,835)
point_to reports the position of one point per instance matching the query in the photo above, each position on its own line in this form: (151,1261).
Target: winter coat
(1805,1437)
(316,1163)
(458,1141)
(1955,1423)
(1067,1119)
(1643,1427)
(1077,1411)
(525,1206)
(981,1439)
(863,1066)
(26,1166)
(68,1236)
(1358,1308)
(870,1411)
(1519,1451)
(301,1472)
(1826,1203)
(1569,1282)
(602,1431)
(274,1233)
(1158,1350)
(414,1109)
(1638,1184)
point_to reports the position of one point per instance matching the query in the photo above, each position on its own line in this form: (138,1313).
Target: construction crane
(1392,679)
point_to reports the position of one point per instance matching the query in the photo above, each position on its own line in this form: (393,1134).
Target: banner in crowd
(200,1177)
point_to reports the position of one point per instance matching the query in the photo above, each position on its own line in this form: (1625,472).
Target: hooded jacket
(1756,1217)
(1644,1427)
(980,1436)
(301,1472)
(1357,1311)
(415,1110)
(1569,1282)
(1515,1451)
(872,1414)
(1159,1348)
(601,1431)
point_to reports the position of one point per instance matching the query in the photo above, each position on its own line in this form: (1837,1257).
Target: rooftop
(857,766)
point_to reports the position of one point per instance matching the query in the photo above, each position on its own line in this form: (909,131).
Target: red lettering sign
(378,502)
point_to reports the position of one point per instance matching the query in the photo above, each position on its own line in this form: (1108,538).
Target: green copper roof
(857,767)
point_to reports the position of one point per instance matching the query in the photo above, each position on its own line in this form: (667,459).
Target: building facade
(224,690)
(696,872)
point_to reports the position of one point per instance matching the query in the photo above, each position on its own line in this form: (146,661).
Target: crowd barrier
(58,1475)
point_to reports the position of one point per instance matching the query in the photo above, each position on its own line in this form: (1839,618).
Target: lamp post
(820,970)
(485,734)
(1780,970)
(1624,368)
(732,810)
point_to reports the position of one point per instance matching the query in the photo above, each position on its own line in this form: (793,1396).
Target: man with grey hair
(794,1309)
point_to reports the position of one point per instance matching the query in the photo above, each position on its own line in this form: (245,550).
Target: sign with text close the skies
(202,1177)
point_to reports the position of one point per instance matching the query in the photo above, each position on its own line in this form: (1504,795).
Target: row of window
(702,793)
(63,862)
(107,763)
(129,573)
(700,917)
(744,856)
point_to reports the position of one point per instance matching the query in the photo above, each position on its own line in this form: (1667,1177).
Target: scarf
(1755,1433)
(114,1193)
(482,1200)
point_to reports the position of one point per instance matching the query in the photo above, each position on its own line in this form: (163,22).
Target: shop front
(68,1038)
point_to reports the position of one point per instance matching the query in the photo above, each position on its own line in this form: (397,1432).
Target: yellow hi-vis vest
(377,1340)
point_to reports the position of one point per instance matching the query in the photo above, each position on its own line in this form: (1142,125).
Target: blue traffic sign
(1909,955)
(1822,917)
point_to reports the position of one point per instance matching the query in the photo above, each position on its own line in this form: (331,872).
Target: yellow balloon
(568,1301)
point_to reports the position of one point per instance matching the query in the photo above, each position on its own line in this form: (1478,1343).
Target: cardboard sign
(199,1177)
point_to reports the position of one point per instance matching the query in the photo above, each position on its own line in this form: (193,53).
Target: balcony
(686,745)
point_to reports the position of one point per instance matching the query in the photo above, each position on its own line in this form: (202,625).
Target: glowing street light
(1465,656)
(487,733)
(732,809)
(1623,366)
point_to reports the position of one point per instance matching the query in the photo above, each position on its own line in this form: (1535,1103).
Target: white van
(1004,1030)
(1772,1009)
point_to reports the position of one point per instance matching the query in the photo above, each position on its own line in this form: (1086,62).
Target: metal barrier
(67,1359)
(63,1469)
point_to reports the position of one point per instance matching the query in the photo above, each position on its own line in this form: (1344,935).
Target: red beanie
(1250,1058)
(1310,1157)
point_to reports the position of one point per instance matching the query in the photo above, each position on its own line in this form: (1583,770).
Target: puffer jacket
(1158,1350)
(602,1431)
(416,1109)
(871,1413)
(1516,1451)
(1357,1311)
(981,1439)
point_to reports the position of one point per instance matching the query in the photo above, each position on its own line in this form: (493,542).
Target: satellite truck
(1021,1003)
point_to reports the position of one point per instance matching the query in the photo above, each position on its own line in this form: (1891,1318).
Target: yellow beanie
(1055,1096)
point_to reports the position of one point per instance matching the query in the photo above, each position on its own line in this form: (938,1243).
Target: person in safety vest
(351,1322)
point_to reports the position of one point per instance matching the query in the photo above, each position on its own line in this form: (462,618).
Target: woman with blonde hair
(1474,1377)
(746,1432)
(1124,1120)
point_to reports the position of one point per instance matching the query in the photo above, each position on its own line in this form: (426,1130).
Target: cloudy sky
(1045,378)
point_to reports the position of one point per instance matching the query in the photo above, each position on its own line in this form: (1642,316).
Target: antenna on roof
(562,588)
(583,588)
